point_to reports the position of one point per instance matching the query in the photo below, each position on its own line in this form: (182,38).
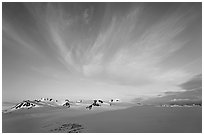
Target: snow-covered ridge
(49,102)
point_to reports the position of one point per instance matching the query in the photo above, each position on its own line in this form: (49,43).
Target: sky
(101,50)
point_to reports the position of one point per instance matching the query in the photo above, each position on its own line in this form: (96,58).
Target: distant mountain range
(49,102)
(174,102)
(89,104)
(185,102)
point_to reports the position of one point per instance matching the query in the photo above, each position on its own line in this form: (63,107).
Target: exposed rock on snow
(49,102)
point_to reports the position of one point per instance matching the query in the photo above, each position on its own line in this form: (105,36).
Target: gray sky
(99,50)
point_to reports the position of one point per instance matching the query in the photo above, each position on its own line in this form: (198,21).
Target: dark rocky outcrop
(89,107)
(67,104)
(69,128)
(100,101)
(24,104)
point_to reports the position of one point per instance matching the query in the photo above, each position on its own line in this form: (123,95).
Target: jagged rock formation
(66,104)
(89,107)
(100,102)
(25,104)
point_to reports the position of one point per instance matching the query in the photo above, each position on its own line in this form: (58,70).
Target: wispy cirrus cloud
(116,54)
(137,61)
(123,49)
(193,83)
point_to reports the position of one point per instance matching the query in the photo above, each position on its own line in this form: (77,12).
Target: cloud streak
(137,61)
(117,56)
(121,51)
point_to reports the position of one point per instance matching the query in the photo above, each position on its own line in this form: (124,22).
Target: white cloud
(116,57)
(138,63)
